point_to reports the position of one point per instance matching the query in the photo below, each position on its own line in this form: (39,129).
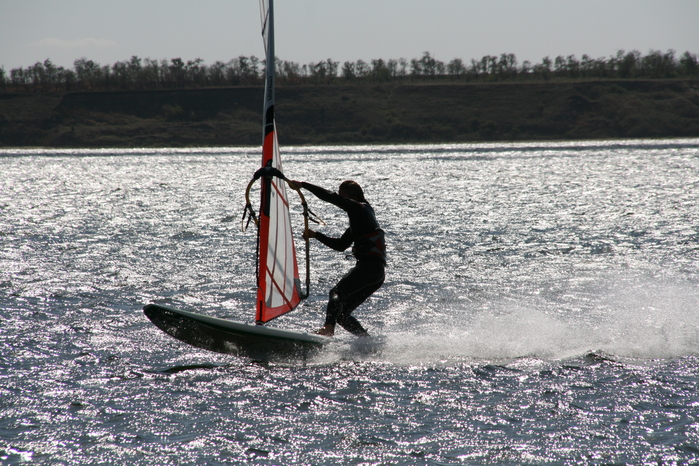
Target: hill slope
(344,114)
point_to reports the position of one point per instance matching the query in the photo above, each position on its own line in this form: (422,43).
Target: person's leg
(352,325)
(354,288)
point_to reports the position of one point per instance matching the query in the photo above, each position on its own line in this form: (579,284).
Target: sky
(107,31)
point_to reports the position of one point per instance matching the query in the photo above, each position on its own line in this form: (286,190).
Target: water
(540,308)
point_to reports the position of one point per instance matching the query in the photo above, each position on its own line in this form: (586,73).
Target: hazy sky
(107,31)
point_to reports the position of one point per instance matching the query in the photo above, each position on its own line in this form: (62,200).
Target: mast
(268,34)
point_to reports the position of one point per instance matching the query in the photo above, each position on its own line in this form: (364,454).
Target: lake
(541,307)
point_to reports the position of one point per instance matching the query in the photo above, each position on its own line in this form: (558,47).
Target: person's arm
(325,195)
(338,244)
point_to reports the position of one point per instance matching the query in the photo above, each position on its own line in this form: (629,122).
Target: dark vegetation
(142,74)
(424,100)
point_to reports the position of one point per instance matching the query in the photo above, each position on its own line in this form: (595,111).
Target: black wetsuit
(369,249)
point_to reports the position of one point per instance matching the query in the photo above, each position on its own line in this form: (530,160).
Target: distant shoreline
(355,114)
(376,145)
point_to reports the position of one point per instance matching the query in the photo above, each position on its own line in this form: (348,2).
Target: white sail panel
(281,258)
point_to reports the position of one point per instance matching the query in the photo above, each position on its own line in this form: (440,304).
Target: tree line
(141,74)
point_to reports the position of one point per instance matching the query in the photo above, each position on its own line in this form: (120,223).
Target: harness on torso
(370,245)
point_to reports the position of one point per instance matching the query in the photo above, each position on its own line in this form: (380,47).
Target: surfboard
(233,337)
(278,284)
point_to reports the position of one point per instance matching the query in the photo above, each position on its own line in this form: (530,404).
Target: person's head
(351,190)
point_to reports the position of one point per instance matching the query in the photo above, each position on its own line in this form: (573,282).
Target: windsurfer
(369,250)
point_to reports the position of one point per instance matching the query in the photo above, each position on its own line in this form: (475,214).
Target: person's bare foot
(326,330)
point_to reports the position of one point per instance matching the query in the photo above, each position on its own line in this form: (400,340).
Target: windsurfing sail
(278,285)
(278,290)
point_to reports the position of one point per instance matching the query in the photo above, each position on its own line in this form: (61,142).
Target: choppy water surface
(541,307)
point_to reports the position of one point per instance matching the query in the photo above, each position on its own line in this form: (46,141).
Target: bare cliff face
(354,114)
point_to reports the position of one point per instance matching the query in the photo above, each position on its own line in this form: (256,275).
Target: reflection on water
(540,305)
